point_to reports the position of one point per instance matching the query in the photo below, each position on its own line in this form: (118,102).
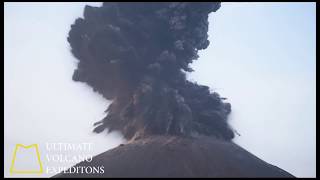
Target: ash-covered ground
(175,156)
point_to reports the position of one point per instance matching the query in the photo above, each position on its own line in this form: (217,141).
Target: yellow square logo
(26,170)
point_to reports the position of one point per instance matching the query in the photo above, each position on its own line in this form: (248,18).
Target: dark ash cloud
(137,54)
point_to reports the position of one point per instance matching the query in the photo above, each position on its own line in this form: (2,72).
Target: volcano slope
(175,156)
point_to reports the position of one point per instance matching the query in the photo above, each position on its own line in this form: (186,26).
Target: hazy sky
(261,57)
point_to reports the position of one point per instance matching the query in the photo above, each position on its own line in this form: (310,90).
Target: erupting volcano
(137,55)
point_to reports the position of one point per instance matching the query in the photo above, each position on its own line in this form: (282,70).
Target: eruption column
(137,55)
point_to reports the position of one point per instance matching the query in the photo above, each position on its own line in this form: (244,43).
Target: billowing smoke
(137,55)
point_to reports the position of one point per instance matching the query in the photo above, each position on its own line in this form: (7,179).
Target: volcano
(137,56)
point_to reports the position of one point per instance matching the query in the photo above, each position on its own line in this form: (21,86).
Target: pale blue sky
(261,57)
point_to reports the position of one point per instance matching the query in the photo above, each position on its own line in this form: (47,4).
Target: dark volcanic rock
(173,156)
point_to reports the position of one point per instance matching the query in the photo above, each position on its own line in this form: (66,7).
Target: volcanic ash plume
(137,54)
